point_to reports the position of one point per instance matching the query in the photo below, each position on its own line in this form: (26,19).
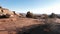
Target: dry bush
(53,15)
(0,6)
(45,16)
(14,13)
(29,15)
(4,16)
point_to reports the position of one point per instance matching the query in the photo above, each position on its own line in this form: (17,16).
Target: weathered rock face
(6,12)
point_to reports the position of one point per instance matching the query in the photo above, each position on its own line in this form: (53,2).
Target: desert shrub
(0,7)
(29,14)
(45,16)
(14,12)
(4,16)
(53,15)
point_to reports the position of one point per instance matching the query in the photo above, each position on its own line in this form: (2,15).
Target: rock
(7,13)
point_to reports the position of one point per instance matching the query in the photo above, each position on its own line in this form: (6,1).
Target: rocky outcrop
(7,13)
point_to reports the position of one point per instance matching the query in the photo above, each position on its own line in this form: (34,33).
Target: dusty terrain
(16,25)
(11,24)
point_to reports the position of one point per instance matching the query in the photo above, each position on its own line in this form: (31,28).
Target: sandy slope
(10,24)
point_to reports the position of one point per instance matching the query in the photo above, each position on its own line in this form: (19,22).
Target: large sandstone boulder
(7,13)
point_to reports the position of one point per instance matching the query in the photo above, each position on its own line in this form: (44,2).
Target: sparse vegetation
(29,15)
(0,6)
(5,16)
(14,12)
(41,24)
(53,15)
(45,16)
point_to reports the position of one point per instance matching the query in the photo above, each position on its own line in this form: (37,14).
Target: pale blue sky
(35,6)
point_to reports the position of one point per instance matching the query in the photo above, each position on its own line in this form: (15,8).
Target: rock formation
(6,12)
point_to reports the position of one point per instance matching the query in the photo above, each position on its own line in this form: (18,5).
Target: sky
(34,6)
